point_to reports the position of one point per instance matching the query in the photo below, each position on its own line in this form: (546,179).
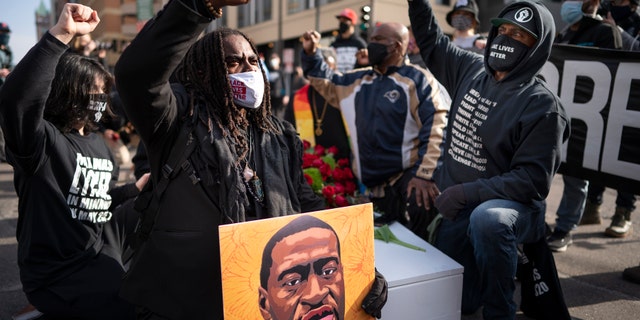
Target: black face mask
(620,13)
(506,53)
(4,39)
(98,102)
(343,27)
(377,53)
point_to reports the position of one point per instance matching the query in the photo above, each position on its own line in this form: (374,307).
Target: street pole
(317,4)
(279,45)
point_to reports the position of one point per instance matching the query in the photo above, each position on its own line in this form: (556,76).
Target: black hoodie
(504,138)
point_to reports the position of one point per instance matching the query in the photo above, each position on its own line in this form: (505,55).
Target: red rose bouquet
(329,178)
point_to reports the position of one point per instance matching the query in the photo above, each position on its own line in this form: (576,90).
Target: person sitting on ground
(245,163)
(70,235)
(503,147)
(396,113)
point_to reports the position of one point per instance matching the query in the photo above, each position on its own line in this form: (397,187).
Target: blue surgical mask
(571,11)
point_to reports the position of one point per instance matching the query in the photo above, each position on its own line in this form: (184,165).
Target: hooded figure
(504,142)
(464,20)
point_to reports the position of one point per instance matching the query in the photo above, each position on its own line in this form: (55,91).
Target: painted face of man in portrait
(305,279)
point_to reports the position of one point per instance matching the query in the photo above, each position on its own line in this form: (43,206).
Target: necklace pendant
(257,186)
(318,131)
(247,174)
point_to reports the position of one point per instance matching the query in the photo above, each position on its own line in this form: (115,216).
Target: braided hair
(204,74)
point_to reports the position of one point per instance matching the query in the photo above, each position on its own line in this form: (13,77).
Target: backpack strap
(148,201)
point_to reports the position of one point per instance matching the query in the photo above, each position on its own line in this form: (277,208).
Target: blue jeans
(574,197)
(484,240)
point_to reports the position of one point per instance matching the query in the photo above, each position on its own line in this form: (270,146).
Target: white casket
(422,285)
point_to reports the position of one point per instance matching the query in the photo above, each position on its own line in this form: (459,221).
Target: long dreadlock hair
(204,74)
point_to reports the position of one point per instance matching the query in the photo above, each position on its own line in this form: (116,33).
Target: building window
(294,6)
(254,12)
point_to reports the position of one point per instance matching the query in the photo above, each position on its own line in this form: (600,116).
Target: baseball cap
(464,5)
(4,27)
(522,17)
(349,14)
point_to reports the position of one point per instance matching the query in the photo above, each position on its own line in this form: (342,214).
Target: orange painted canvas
(306,272)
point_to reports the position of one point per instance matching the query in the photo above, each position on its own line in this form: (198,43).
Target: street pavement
(590,270)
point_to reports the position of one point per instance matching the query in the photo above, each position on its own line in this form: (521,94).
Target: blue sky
(20,16)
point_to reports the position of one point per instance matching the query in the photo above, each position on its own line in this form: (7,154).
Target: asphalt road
(590,270)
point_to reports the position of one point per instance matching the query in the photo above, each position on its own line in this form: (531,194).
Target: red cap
(349,14)
(5,27)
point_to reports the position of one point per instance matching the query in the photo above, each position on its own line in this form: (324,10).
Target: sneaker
(27,313)
(620,224)
(632,274)
(559,241)
(591,214)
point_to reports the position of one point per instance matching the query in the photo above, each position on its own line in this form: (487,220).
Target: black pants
(625,198)
(143,313)
(92,291)
(396,206)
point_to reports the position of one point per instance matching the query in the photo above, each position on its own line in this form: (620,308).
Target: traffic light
(365,17)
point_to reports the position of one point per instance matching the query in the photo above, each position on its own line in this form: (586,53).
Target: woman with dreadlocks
(242,162)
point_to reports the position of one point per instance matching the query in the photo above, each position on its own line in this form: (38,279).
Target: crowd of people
(613,25)
(454,136)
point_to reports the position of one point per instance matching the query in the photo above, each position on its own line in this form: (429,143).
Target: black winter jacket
(176,272)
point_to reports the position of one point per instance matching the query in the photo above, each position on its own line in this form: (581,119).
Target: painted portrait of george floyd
(317,265)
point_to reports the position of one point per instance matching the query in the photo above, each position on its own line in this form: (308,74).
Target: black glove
(451,201)
(377,296)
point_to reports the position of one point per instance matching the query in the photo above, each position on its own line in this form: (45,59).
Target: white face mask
(275,63)
(248,89)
